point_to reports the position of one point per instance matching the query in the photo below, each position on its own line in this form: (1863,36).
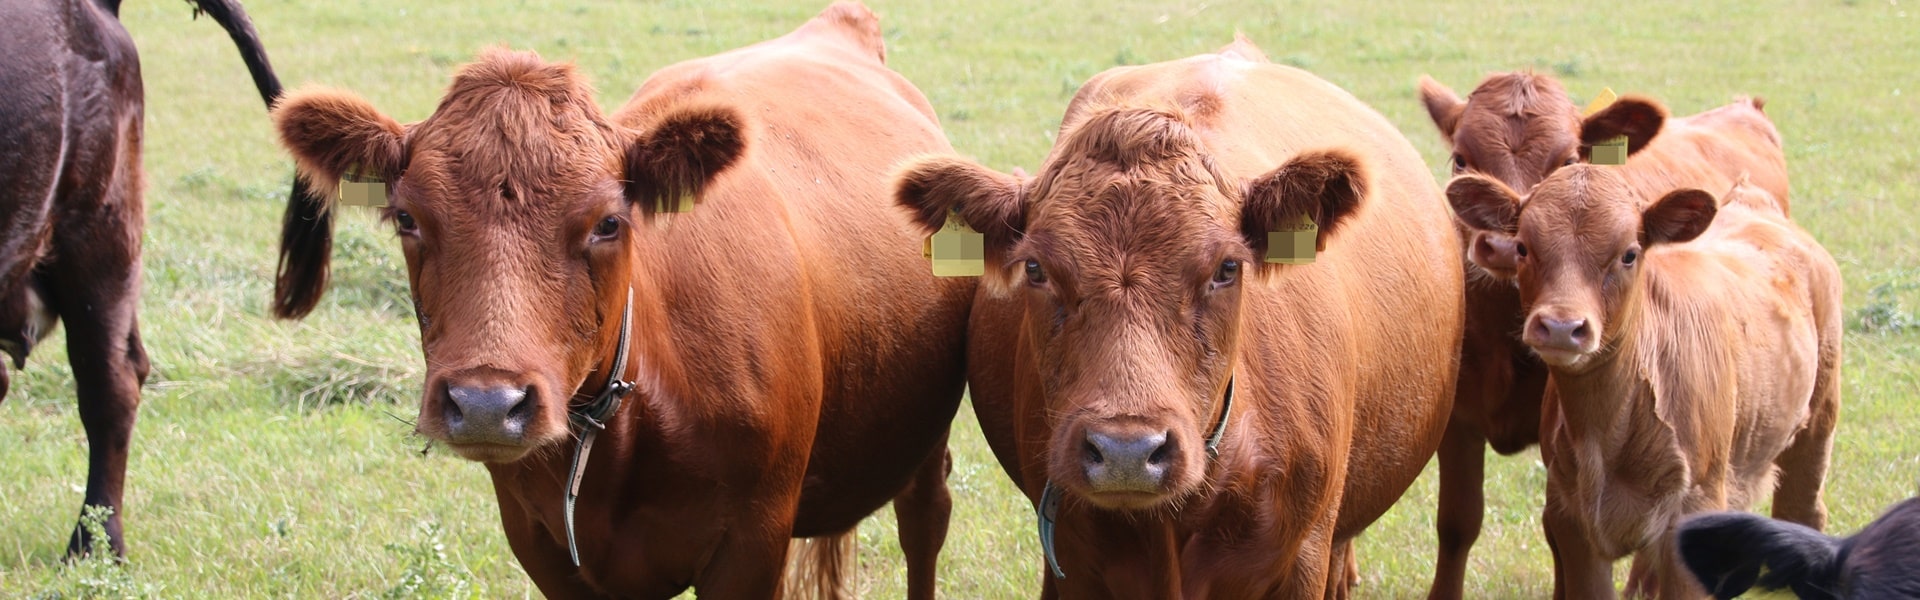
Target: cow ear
(1637,118)
(1326,186)
(1679,216)
(681,154)
(1442,104)
(1484,204)
(988,200)
(991,202)
(330,131)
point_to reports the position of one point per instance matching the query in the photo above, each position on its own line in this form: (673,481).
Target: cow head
(517,204)
(1131,251)
(1579,242)
(1520,127)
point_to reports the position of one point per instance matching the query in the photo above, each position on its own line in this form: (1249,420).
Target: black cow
(71,214)
(1727,550)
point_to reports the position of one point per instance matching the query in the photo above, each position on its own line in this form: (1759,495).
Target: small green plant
(1883,313)
(427,572)
(100,574)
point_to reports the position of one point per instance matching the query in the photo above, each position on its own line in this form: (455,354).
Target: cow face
(1579,242)
(1518,128)
(1132,254)
(516,204)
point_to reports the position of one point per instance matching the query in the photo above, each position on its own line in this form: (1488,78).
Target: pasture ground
(271,459)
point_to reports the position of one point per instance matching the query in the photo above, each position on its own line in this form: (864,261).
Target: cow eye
(405,222)
(1035,275)
(1570,160)
(606,228)
(1520,249)
(1228,273)
(1459,163)
(1632,254)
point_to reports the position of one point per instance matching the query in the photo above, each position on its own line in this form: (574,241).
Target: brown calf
(794,363)
(1190,421)
(1693,346)
(71,213)
(1518,128)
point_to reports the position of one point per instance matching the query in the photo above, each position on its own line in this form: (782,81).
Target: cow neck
(586,420)
(1049,509)
(1611,385)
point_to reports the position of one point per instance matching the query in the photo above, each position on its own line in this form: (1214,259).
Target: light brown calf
(1694,348)
(1196,423)
(1518,128)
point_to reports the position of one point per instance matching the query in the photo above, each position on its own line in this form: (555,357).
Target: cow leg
(1342,571)
(1462,507)
(923,510)
(97,285)
(1308,576)
(1803,466)
(1578,571)
(750,561)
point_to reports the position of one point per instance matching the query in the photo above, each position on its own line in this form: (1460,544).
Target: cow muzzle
(483,418)
(1129,463)
(1561,339)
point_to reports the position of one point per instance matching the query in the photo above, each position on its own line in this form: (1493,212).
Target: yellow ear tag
(957,250)
(360,187)
(683,204)
(1600,102)
(1610,152)
(1294,244)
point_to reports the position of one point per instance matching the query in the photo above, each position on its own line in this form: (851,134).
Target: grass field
(270,459)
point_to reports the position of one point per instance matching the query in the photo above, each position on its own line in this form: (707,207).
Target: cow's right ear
(1443,105)
(991,202)
(1484,204)
(681,154)
(1637,118)
(988,200)
(330,131)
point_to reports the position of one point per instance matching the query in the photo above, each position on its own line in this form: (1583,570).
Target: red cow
(792,362)
(1191,422)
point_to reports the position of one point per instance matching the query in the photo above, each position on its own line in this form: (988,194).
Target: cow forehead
(1582,206)
(513,123)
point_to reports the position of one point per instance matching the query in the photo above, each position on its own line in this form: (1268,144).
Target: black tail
(306,234)
(1726,551)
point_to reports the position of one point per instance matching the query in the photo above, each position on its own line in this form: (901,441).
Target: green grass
(271,459)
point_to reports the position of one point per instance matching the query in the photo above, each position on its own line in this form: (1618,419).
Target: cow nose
(490,414)
(1569,335)
(1126,460)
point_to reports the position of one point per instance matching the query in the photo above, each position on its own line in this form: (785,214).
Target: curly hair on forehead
(1521,94)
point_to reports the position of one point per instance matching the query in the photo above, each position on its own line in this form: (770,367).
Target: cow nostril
(1160,455)
(1581,331)
(522,409)
(1092,452)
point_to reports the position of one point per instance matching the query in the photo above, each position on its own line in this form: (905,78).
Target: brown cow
(1190,421)
(71,213)
(1693,348)
(794,363)
(1518,128)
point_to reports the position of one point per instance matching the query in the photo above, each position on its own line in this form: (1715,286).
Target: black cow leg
(97,286)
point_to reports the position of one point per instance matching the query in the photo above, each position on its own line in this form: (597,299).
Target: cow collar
(1049,509)
(588,419)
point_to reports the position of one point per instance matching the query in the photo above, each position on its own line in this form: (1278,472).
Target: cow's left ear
(1638,118)
(681,154)
(1679,216)
(1324,185)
